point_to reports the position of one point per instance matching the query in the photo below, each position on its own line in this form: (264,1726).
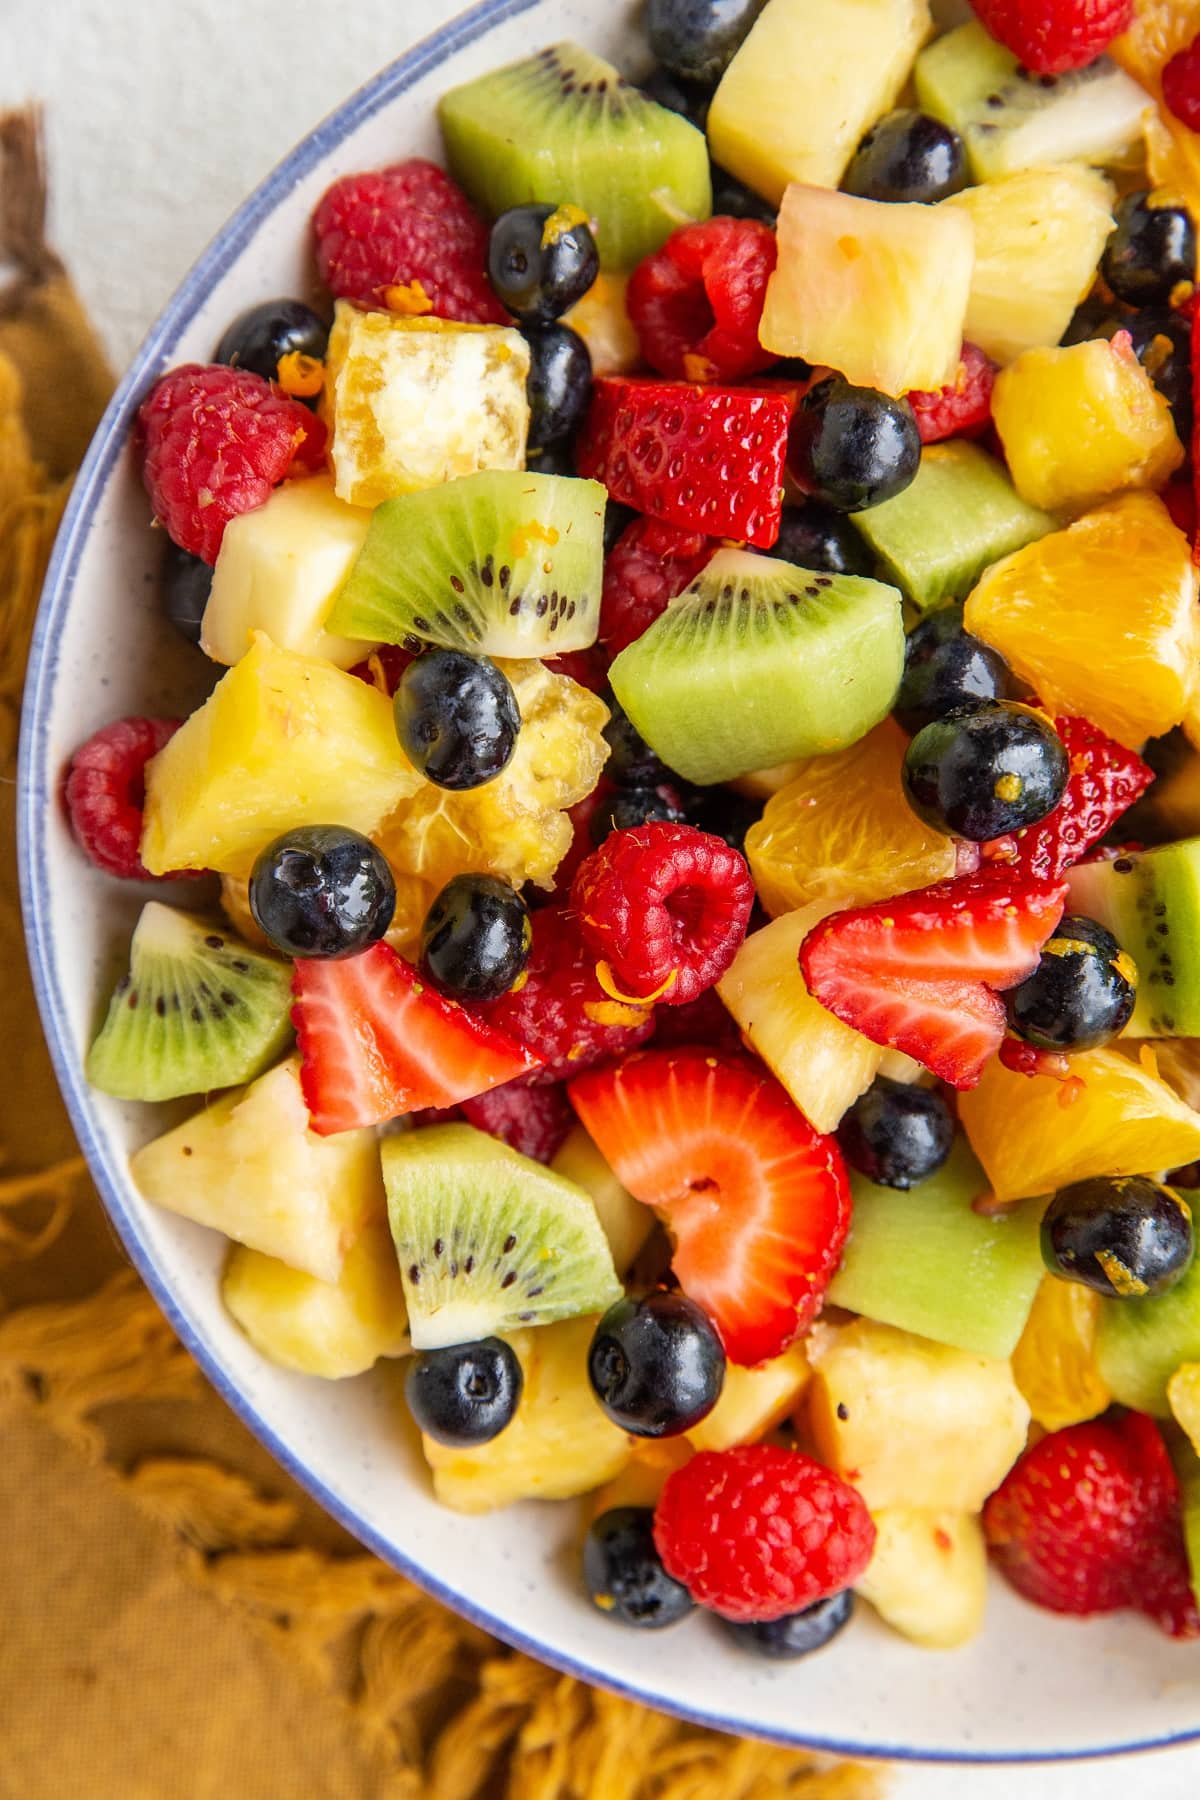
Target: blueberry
(632,806)
(555,459)
(852,447)
(907,156)
(623,1571)
(457,718)
(897,1135)
(465,1394)
(946,669)
(541,260)
(260,336)
(796,1634)
(732,199)
(559,383)
(722,812)
(476,937)
(814,536)
(631,761)
(1126,1237)
(1081,993)
(1152,250)
(616,520)
(656,1365)
(322,890)
(187,583)
(698,39)
(690,99)
(980,774)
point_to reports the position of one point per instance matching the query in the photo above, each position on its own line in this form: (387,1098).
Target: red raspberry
(1181,85)
(1052,36)
(649,564)
(963,407)
(666,906)
(587,667)
(696,303)
(706,1021)
(560,1011)
(215,442)
(758,1532)
(533,1120)
(105,792)
(1104,782)
(407,227)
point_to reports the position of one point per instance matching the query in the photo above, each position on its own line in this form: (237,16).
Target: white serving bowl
(1033,1686)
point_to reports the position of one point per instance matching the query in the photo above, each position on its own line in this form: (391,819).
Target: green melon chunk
(1150,901)
(1141,1343)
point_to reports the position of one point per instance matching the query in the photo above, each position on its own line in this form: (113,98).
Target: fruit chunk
(1141,1343)
(927,1576)
(642,1479)
(327,1328)
(565,126)
(810,78)
(1119,581)
(1150,901)
(279,571)
(498,564)
(416,401)
(908,534)
(197,1010)
(488,1240)
(282,740)
(776,662)
(753,1401)
(1034,1133)
(559,1444)
(1183,1395)
(249,1166)
(602,320)
(924,1260)
(626,1223)
(1054,1364)
(1038,238)
(911,1422)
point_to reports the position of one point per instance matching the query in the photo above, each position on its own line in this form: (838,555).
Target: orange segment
(1159,29)
(1054,1363)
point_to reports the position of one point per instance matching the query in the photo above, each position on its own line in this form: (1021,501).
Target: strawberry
(705,459)
(1049,37)
(1104,782)
(376,1043)
(963,408)
(756,1201)
(917,972)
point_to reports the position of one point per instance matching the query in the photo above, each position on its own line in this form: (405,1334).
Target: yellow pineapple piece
(602,320)
(753,1401)
(1054,1364)
(927,1576)
(626,1222)
(1183,1392)
(1100,619)
(282,740)
(328,1328)
(1081,422)
(643,1478)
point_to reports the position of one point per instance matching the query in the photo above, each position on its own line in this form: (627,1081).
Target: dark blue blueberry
(623,1571)
(187,583)
(797,1634)
(813,536)
(907,156)
(896,1135)
(732,199)
(945,669)
(631,806)
(475,939)
(1081,993)
(851,446)
(656,1365)
(984,773)
(631,761)
(554,459)
(690,99)
(1125,1236)
(559,384)
(723,812)
(616,519)
(457,718)
(465,1394)
(1152,250)
(539,274)
(260,336)
(322,890)
(698,39)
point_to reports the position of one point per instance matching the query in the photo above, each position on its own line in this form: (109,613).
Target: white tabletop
(162,114)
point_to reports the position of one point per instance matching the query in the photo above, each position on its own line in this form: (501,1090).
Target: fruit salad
(679,912)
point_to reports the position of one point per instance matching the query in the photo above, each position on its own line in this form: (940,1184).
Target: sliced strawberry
(1104,782)
(756,1201)
(376,1043)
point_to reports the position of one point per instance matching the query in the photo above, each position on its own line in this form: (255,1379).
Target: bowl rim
(36,795)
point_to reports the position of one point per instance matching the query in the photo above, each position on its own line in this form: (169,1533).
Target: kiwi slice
(564,127)
(198,1010)
(1150,901)
(1010,119)
(1140,1343)
(488,1240)
(760,663)
(503,563)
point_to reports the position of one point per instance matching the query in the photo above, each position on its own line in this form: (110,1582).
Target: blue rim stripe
(36,797)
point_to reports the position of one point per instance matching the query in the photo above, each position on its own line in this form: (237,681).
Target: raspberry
(587,667)
(758,1532)
(666,906)
(1052,36)
(705,1021)
(1181,85)
(963,407)
(696,303)
(560,1011)
(533,1120)
(408,227)
(105,792)
(649,564)
(216,441)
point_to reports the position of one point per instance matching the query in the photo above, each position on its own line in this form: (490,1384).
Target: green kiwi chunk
(488,1240)
(197,1010)
(564,127)
(760,662)
(1141,1342)
(1150,901)
(1010,119)
(504,563)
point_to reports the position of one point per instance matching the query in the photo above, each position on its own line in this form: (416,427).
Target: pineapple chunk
(626,1222)
(928,1575)
(808,81)
(559,1443)
(327,1328)
(283,740)
(643,1478)
(416,401)
(279,571)
(1038,238)
(249,1166)
(910,1422)
(1083,422)
(1183,1393)
(875,290)
(753,1401)
(602,320)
